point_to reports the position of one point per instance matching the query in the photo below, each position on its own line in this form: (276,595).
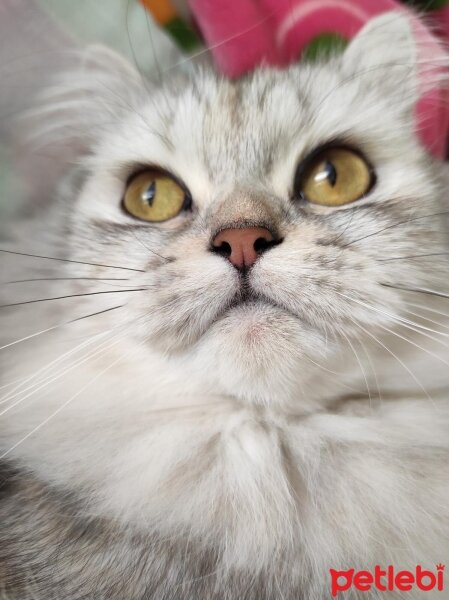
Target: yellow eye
(333,177)
(154,196)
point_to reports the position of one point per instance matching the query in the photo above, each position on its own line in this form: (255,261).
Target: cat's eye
(154,196)
(334,176)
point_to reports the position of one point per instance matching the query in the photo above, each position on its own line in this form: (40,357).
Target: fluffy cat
(188,428)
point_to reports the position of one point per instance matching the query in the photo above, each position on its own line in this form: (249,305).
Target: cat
(238,378)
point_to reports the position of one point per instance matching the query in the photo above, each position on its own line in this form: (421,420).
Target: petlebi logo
(387,580)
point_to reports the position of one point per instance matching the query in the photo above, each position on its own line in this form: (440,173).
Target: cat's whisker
(125,291)
(429,352)
(9,384)
(65,279)
(63,104)
(106,345)
(417,290)
(125,105)
(42,382)
(406,221)
(101,281)
(61,372)
(361,73)
(153,47)
(45,138)
(207,50)
(341,234)
(66,403)
(419,316)
(394,258)
(149,249)
(392,316)
(436,61)
(60,103)
(143,77)
(372,367)
(33,335)
(407,326)
(360,365)
(37,379)
(428,308)
(417,329)
(79,262)
(37,376)
(326,370)
(416,380)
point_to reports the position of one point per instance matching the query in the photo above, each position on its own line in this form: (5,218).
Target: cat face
(241,155)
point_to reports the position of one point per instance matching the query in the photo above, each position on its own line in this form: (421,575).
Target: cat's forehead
(237,127)
(244,119)
(215,134)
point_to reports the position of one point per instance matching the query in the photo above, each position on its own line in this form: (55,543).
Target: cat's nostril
(261,244)
(224,249)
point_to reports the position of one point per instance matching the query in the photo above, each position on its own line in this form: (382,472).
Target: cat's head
(266,218)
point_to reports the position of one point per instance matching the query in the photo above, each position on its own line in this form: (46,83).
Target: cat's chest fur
(199,494)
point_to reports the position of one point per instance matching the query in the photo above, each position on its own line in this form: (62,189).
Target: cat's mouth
(247,296)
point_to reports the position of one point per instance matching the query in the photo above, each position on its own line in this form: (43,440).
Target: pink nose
(243,246)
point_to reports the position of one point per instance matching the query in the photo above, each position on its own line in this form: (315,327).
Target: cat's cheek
(259,354)
(181,305)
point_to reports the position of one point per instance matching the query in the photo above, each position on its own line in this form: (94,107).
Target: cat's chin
(258,352)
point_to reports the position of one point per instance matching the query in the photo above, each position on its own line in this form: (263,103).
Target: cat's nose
(242,247)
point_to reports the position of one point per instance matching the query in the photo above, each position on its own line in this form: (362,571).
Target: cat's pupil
(327,173)
(149,194)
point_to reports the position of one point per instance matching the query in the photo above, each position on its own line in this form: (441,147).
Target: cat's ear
(385,55)
(401,60)
(67,119)
(84,101)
